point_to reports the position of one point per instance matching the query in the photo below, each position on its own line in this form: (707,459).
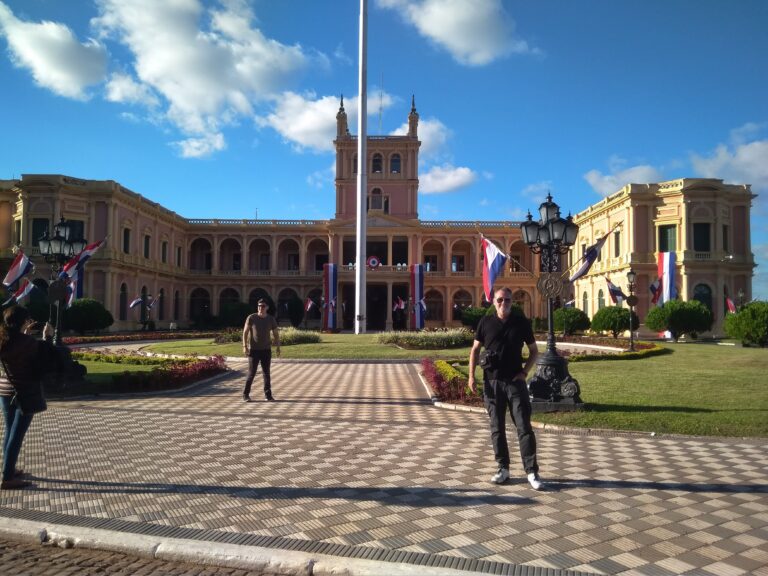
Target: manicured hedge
(428,340)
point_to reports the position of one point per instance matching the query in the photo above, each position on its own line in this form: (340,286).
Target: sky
(227,108)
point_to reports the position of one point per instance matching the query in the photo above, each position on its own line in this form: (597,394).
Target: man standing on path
(258,347)
(503,335)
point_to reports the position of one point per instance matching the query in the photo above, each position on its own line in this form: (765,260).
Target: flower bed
(175,375)
(448,384)
(138,336)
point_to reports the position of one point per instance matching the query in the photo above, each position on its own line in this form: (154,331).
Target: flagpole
(362,174)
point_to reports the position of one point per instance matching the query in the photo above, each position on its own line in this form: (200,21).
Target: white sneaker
(501,476)
(535,481)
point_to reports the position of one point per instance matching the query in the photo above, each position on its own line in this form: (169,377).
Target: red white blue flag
(330,281)
(493,265)
(655,289)
(80,259)
(24,289)
(417,293)
(731,306)
(666,271)
(20,266)
(135,302)
(589,258)
(616,294)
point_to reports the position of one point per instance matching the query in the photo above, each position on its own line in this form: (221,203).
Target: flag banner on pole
(24,289)
(417,293)
(135,302)
(589,258)
(616,294)
(81,258)
(730,305)
(308,303)
(493,265)
(655,289)
(330,277)
(666,271)
(20,266)
(570,304)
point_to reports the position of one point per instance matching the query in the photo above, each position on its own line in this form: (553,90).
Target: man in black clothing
(504,385)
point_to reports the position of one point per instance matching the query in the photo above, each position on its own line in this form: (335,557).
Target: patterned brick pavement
(355,455)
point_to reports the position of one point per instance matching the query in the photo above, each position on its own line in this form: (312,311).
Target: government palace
(192,267)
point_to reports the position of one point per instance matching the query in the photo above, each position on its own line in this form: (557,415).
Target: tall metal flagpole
(362,173)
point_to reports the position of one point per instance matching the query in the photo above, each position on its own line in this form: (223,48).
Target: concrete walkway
(353,469)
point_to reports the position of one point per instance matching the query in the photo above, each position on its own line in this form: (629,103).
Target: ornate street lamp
(56,251)
(551,237)
(632,301)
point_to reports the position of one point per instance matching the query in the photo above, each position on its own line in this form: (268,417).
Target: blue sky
(226,108)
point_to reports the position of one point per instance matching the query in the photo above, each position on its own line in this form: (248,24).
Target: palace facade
(193,267)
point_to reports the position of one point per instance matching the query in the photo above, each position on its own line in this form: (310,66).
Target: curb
(220,554)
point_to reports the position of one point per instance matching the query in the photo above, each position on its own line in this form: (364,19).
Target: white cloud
(434,136)
(607,184)
(322,178)
(743,163)
(538,191)
(309,122)
(474,32)
(446,178)
(201,147)
(52,54)
(211,66)
(123,88)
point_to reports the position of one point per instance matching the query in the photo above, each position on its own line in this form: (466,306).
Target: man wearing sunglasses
(503,335)
(257,346)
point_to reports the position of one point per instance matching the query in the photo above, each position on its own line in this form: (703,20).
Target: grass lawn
(700,389)
(333,346)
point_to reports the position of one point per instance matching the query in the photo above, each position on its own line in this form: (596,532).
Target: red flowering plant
(169,377)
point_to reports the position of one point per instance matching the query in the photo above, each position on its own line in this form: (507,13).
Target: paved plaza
(354,465)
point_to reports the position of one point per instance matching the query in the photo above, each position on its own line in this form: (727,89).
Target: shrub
(471,315)
(448,384)
(87,315)
(437,340)
(290,336)
(570,320)
(679,318)
(613,319)
(749,324)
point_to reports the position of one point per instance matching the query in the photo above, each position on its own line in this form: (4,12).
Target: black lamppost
(551,236)
(632,301)
(56,251)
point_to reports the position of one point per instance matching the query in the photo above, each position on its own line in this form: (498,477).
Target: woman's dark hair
(13,321)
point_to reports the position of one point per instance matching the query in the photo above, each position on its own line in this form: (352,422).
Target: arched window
(703,294)
(600,300)
(377,164)
(585,303)
(160,305)
(434,301)
(461,300)
(394,164)
(176,304)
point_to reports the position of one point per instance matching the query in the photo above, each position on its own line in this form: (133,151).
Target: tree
(613,319)
(234,313)
(570,320)
(295,311)
(87,315)
(471,316)
(749,324)
(679,318)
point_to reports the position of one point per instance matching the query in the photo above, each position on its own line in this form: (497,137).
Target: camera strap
(503,333)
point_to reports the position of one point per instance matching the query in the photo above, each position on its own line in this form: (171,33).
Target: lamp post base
(552,383)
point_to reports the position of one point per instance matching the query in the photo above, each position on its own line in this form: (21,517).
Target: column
(388,325)
(389,250)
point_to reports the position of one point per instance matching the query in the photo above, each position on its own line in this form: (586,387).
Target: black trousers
(254,358)
(498,395)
